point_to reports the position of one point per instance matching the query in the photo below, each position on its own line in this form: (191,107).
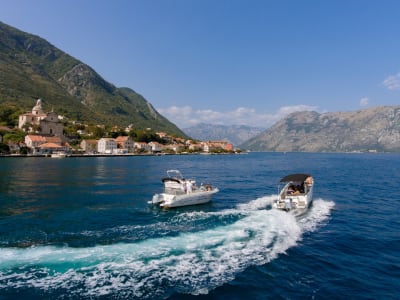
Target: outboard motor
(155,199)
(288,204)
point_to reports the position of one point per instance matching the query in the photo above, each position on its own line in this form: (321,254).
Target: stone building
(40,122)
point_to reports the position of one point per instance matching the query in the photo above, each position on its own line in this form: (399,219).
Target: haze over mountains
(235,134)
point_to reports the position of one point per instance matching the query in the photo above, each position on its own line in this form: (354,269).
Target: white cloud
(286,110)
(392,82)
(186,116)
(364,101)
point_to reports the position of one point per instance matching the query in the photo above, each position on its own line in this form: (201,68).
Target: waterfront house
(156,146)
(34,141)
(49,148)
(195,147)
(175,147)
(106,146)
(89,146)
(211,145)
(125,142)
(142,147)
(37,144)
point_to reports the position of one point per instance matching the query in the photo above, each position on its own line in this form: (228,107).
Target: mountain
(235,134)
(374,129)
(32,68)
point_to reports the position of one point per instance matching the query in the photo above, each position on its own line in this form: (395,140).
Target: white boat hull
(58,155)
(182,192)
(295,204)
(171,200)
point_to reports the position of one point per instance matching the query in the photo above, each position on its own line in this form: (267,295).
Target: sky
(230,62)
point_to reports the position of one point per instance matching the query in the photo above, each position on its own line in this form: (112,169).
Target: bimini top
(295,177)
(173,175)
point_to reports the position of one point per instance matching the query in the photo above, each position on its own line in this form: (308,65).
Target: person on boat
(296,190)
(309,180)
(188,186)
(290,190)
(184,185)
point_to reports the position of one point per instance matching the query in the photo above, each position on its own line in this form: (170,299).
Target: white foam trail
(318,213)
(191,262)
(259,203)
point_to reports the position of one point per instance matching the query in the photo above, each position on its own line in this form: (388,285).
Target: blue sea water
(81,228)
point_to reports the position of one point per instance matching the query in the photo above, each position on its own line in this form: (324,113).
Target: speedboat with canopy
(295,193)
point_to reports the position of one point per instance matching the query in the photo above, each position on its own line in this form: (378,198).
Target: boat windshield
(174,174)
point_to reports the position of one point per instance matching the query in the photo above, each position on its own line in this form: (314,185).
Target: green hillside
(31,68)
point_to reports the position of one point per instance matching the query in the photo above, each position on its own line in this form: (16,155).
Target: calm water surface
(81,228)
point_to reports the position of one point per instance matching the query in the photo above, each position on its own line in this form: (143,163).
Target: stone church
(40,122)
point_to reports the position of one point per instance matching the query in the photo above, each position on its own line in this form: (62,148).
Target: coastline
(113,155)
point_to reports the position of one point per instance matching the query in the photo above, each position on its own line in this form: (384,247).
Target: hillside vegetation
(32,68)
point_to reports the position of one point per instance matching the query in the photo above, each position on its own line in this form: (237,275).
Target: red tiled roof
(49,145)
(37,138)
(122,138)
(53,139)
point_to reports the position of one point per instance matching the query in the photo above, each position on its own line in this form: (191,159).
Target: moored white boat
(179,191)
(295,193)
(58,154)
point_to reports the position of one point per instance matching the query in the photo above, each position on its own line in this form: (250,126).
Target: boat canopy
(165,179)
(295,177)
(173,175)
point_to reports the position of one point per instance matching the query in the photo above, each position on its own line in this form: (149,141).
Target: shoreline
(111,155)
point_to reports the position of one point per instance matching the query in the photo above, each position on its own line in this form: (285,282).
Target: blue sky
(230,61)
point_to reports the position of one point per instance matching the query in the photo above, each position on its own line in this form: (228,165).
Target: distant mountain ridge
(235,134)
(373,129)
(32,68)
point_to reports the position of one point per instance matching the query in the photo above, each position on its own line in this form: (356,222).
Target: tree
(24,150)
(98,132)
(15,136)
(9,115)
(4,149)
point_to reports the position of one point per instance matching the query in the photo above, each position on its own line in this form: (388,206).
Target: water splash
(188,262)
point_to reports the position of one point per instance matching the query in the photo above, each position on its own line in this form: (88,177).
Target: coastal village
(45,137)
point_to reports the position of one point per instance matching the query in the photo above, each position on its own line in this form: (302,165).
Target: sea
(82,228)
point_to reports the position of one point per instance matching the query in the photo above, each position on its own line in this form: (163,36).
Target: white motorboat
(179,191)
(58,154)
(295,193)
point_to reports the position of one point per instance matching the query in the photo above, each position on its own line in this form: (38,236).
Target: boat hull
(58,155)
(170,200)
(179,191)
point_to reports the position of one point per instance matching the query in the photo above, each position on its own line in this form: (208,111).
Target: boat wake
(192,262)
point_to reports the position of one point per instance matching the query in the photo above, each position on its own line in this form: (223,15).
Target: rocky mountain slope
(374,129)
(235,134)
(32,68)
